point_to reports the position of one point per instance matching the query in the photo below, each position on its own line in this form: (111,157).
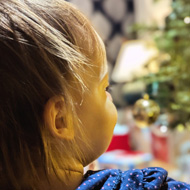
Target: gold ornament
(145,112)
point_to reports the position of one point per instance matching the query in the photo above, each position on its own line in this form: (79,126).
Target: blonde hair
(45,48)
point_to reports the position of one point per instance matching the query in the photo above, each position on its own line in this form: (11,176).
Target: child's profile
(56,115)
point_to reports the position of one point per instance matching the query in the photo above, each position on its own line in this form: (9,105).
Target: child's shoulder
(147,178)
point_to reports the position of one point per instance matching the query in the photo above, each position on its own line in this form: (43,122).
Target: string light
(187,20)
(163,129)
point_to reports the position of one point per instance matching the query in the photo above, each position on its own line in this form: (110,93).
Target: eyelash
(108,88)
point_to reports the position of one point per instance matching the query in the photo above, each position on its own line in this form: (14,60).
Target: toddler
(56,115)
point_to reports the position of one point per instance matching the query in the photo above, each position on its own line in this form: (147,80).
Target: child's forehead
(103,60)
(103,69)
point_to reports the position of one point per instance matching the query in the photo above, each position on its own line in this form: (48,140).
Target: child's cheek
(109,96)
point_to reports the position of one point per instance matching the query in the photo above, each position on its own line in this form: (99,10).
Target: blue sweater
(136,179)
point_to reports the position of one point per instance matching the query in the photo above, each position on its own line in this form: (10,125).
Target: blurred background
(148,53)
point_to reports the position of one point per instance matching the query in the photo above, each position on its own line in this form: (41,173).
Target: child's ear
(58,119)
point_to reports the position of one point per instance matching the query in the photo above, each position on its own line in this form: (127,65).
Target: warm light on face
(97,112)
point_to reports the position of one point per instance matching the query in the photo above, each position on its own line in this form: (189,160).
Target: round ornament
(145,112)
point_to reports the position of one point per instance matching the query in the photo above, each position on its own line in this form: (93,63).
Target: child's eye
(108,88)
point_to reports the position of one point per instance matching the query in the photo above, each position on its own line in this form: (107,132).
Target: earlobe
(58,118)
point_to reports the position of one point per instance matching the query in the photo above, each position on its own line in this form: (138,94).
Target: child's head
(54,111)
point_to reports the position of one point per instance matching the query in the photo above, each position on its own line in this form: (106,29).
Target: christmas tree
(173,79)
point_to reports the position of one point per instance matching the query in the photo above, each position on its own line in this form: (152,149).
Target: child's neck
(73,180)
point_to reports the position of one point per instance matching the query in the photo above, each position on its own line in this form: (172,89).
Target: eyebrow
(105,76)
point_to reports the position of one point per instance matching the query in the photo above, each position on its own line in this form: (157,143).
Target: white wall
(150,12)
